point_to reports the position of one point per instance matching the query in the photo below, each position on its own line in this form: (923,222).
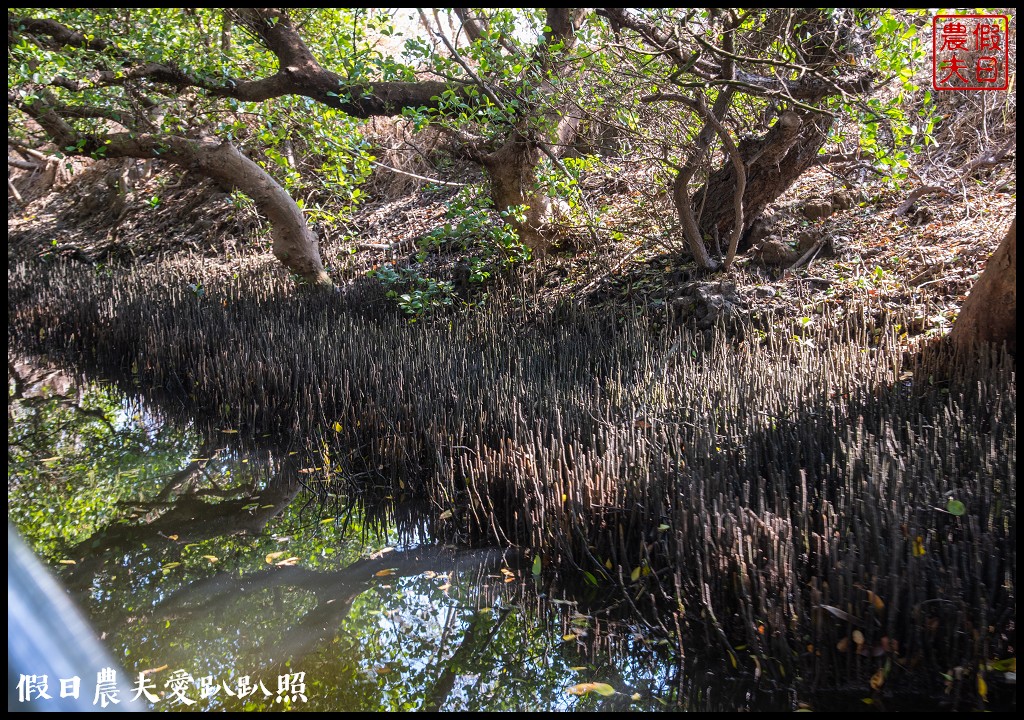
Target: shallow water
(247,579)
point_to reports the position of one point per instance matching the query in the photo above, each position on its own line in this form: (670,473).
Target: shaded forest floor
(921,262)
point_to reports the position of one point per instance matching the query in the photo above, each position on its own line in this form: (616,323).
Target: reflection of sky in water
(306,587)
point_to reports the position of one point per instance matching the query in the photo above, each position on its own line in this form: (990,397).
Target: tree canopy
(513,86)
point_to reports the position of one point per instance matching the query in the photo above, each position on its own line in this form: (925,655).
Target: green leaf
(955,507)
(536,565)
(1005,665)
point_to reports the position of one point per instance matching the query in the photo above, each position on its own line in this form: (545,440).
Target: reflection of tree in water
(33,386)
(334,592)
(186,511)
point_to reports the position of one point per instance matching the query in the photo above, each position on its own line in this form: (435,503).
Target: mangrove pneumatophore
(806,504)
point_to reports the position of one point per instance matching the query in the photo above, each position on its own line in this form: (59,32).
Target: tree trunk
(774,161)
(989,315)
(294,244)
(512,168)
(512,171)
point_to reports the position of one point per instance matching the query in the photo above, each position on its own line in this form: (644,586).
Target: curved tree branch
(299,73)
(293,242)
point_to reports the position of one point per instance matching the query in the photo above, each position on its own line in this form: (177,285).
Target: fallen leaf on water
(1007,665)
(211,558)
(584,688)
(858,637)
(385,572)
(878,679)
(274,556)
(228,430)
(919,550)
(876,601)
(445,515)
(170,565)
(287,562)
(982,688)
(67,562)
(635,575)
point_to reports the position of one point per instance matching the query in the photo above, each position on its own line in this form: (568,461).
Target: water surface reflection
(240,574)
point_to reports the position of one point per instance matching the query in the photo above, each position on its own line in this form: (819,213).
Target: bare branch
(989,158)
(23,165)
(916,195)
